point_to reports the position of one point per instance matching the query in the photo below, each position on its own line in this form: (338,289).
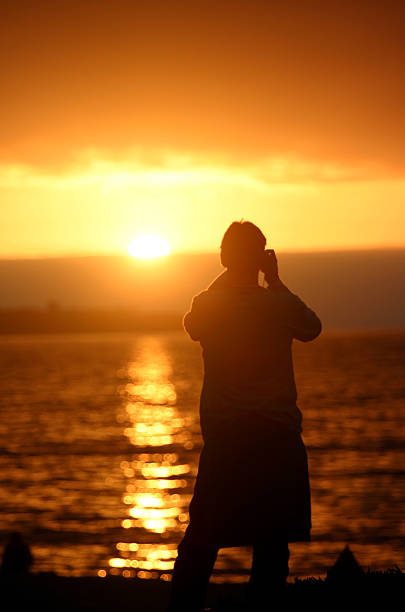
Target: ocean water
(100,439)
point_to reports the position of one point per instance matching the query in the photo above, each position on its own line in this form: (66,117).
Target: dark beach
(47,591)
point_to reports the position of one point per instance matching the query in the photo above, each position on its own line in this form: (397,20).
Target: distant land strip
(347,289)
(36,320)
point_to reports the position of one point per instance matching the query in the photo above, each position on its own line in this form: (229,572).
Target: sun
(149,246)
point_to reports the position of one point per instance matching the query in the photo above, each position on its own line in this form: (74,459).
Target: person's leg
(191,574)
(269,569)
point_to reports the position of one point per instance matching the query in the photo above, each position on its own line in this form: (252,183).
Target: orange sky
(176,118)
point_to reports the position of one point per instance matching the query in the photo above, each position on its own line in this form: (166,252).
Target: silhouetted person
(252,486)
(17,557)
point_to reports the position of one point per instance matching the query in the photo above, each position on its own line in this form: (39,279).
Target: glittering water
(99,444)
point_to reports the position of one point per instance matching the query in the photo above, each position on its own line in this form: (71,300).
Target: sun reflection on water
(157,491)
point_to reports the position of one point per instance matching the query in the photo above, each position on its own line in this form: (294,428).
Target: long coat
(253,479)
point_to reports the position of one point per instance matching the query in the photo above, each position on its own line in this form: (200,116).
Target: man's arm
(194,321)
(301,320)
(305,325)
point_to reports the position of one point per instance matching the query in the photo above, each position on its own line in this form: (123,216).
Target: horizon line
(175,253)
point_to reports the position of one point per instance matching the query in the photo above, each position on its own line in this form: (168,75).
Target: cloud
(164,167)
(240,81)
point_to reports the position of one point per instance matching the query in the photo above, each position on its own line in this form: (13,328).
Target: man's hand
(270,266)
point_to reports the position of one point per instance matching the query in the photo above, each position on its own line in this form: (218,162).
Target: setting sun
(149,246)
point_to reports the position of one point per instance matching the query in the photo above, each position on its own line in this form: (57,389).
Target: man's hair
(242,244)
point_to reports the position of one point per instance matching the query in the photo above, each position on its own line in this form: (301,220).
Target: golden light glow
(155,498)
(143,196)
(149,247)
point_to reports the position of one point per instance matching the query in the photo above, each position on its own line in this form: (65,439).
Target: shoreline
(48,591)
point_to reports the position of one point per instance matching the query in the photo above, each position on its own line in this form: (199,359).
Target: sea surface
(100,439)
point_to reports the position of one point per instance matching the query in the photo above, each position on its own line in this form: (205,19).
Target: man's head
(242,246)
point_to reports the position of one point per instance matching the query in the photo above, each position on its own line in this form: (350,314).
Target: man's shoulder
(202,297)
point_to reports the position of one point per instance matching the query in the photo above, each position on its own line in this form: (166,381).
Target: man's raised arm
(301,320)
(304,324)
